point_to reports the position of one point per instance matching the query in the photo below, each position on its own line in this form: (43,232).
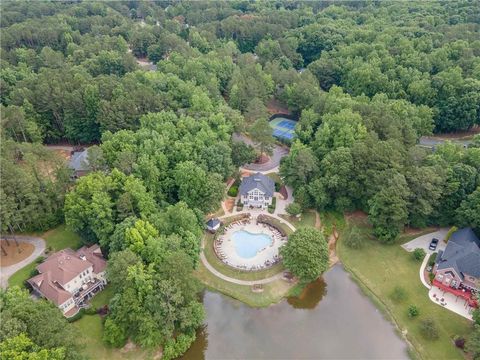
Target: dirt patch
(356,215)
(276,107)
(332,244)
(229,204)
(15,253)
(262,159)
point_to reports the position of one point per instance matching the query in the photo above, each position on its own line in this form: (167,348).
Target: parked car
(433,244)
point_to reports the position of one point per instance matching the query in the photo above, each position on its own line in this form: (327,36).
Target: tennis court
(283,128)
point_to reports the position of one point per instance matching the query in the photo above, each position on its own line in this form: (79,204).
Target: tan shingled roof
(63,266)
(49,289)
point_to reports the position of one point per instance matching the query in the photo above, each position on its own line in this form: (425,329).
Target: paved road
(431,141)
(278,153)
(7,271)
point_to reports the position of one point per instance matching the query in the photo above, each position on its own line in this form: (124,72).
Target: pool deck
(264,258)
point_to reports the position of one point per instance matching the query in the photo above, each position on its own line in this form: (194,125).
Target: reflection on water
(310,296)
(340,323)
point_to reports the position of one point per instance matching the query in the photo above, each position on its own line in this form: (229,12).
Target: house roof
(213,223)
(50,289)
(462,253)
(257,181)
(63,266)
(94,255)
(79,161)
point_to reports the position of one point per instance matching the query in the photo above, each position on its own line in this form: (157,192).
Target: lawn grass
(273,292)
(56,239)
(102,298)
(91,329)
(18,278)
(62,237)
(379,268)
(307,219)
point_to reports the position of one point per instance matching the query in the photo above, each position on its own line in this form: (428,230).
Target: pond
(333,319)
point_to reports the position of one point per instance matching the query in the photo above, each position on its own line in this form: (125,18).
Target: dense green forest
(366,79)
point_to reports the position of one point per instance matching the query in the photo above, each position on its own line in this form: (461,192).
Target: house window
(256,198)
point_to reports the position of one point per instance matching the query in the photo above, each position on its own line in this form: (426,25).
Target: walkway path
(7,271)
(422,271)
(258,212)
(237,281)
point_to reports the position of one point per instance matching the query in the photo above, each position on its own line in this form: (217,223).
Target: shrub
(233,191)
(178,346)
(113,335)
(419,254)
(431,276)
(476,316)
(77,316)
(428,329)
(413,311)
(431,259)
(91,311)
(459,342)
(294,209)
(398,294)
(354,238)
(277,186)
(450,232)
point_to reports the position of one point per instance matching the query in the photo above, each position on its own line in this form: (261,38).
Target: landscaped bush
(399,294)
(431,259)
(77,316)
(233,191)
(277,186)
(271,208)
(419,254)
(91,311)
(294,209)
(354,238)
(450,232)
(429,329)
(431,276)
(239,206)
(413,311)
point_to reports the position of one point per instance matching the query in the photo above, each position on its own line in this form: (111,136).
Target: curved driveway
(7,271)
(278,153)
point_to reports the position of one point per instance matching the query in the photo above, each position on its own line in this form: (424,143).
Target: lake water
(332,320)
(247,244)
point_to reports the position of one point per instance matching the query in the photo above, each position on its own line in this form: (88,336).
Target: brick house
(458,266)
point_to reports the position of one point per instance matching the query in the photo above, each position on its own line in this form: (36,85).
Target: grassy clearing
(61,237)
(232,272)
(307,219)
(272,293)
(331,220)
(18,279)
(378,269)
(91,328)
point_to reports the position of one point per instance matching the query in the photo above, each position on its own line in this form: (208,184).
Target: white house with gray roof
(257,191)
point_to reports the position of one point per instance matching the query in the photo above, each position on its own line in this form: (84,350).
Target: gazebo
(213,225)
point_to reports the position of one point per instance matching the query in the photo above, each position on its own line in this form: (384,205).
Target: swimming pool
(248,244)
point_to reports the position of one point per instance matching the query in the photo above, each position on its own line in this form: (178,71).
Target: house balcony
(87,291)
